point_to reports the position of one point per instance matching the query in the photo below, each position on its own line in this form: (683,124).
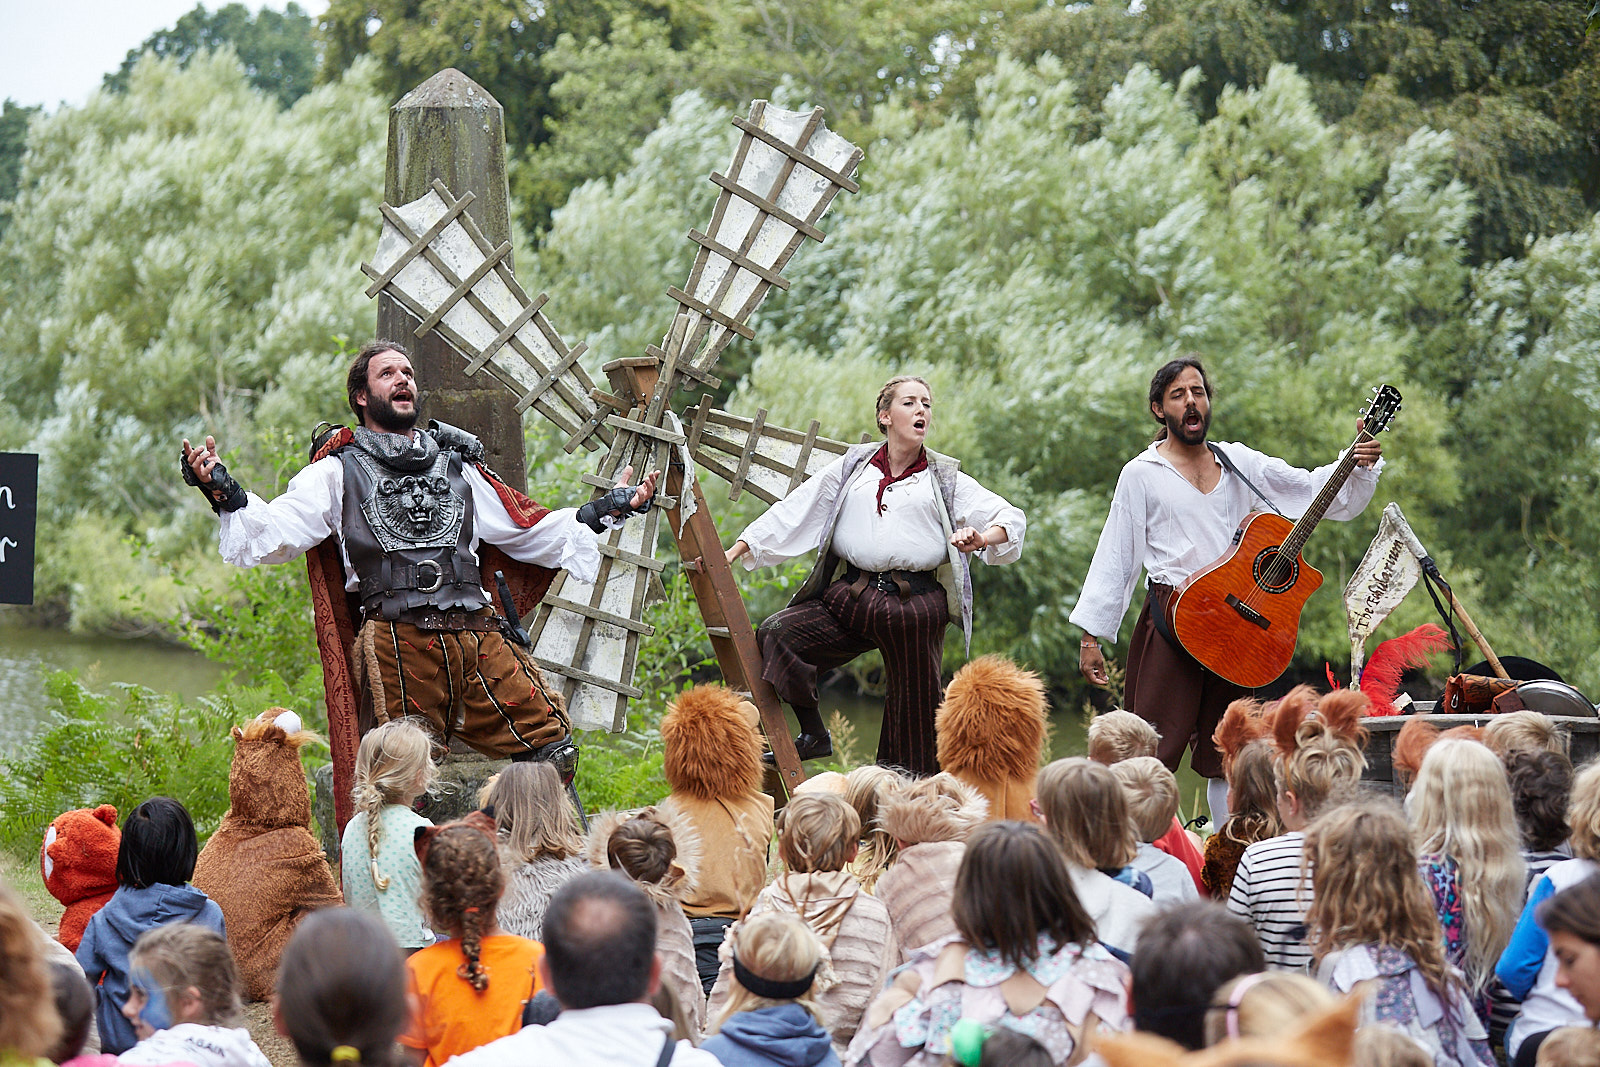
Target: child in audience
(29,1025)
(1381,1045)
(183,1001)
(974,1045)
(1541,786)
(74,1002)
(865,788)
(1570,1046)
(540,847)
(341,991)
(1252,816)
(1186,953)
(1024,956)
(1528,967)
(712,761)
(1372,920)
(154,864)
(1266,1004)
(1466,839)
(1120,735)
(661,853)
(990,732)
(1318,761)
(1083,809)
(1523,731)
(930,819)
(1152,794)
(817,837)
(379,867)
(471,989)
(772,1018)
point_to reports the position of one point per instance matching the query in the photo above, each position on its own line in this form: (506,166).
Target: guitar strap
(1222,457)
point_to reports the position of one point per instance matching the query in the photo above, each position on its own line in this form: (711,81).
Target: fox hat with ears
(1325,1039)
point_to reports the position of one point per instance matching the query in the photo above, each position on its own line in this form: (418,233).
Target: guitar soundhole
(1275,572)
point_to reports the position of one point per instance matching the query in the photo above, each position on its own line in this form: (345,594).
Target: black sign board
(19,510)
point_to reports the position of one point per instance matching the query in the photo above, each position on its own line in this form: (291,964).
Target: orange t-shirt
(451,1017)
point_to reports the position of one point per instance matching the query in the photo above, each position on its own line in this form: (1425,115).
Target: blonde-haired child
(540,848)
(183,1001)
(1268,1004)
(1523,731)
(930,819)
(865,790)
(1152,793)
(379,867)
(1085,811)
(772,1015)
(818,836)
(1115,736)
(1465,831)
(1319,761)
(1372,921)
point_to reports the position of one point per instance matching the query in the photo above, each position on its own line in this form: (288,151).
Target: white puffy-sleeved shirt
(1161,523)
(908,536)
(312,508)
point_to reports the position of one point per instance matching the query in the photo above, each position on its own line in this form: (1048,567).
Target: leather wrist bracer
(222,492)
(615,503)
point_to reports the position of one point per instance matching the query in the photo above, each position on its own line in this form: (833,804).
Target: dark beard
(382,414)
(1178,433)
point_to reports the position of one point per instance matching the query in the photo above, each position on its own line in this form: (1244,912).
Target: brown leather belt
(902,583)
(455,621)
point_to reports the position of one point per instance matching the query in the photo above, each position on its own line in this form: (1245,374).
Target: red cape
(336,611)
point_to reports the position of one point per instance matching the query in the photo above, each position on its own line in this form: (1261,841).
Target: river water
(28,656)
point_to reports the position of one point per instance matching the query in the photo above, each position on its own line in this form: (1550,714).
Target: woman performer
(893,525)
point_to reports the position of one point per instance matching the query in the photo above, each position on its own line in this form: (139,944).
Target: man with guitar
(1176,508)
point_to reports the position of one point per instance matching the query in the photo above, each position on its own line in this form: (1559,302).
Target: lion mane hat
(79,862)
(1325,1039)
(990,732)
(711,748)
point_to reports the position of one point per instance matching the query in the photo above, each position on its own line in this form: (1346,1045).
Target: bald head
(600,941)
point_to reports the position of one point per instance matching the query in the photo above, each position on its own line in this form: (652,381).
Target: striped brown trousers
(800,641)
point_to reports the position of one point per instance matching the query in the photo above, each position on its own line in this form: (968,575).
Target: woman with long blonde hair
(1372,921)
(1465,831)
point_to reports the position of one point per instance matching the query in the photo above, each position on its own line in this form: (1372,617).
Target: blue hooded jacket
(103,953)
(784,1035)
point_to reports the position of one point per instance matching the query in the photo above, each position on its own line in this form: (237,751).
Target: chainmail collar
(397,450)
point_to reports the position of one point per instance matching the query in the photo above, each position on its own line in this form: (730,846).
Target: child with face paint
(154,864)
(183,1001)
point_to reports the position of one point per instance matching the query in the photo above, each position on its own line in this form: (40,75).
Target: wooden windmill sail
(786,170)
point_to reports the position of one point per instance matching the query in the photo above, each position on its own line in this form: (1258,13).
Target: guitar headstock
(1381,409)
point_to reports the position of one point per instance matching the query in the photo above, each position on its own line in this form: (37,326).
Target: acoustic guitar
(1240,616)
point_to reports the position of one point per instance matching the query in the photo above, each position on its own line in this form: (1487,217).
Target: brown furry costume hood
(683,877)
(712,749)
(1325,1039)
(991,724)
(266,784)
(941,808)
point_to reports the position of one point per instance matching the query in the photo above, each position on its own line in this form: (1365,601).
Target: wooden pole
(449,128)
(1476,635)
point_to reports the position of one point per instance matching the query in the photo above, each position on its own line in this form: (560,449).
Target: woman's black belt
(903,583)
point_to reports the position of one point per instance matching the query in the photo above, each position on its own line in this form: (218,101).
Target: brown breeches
(800,641)
(478,687)
(1181,699)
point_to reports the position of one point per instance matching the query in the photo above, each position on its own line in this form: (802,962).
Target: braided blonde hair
(393,766)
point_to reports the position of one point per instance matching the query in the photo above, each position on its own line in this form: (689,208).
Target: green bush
(122,748)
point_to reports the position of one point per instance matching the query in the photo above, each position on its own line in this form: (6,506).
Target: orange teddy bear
(79,863)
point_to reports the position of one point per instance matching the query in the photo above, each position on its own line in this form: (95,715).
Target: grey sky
(55,51)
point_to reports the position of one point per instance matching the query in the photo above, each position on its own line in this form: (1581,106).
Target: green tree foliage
(14,121)
(1516,81)
(179,262)
(1039,259)
(276,48)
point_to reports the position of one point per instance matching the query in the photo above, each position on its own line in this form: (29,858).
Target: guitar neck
(1301,533)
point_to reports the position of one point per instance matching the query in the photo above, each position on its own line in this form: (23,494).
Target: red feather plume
(1380,679)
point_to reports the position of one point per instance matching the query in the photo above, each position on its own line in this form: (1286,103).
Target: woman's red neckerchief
(880,460)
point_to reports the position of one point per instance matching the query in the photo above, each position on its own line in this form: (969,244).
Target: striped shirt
(1268,894)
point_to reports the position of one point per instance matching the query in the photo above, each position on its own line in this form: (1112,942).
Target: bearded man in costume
(412,513)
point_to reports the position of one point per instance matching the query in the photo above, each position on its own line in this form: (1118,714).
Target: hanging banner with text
(19,510)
